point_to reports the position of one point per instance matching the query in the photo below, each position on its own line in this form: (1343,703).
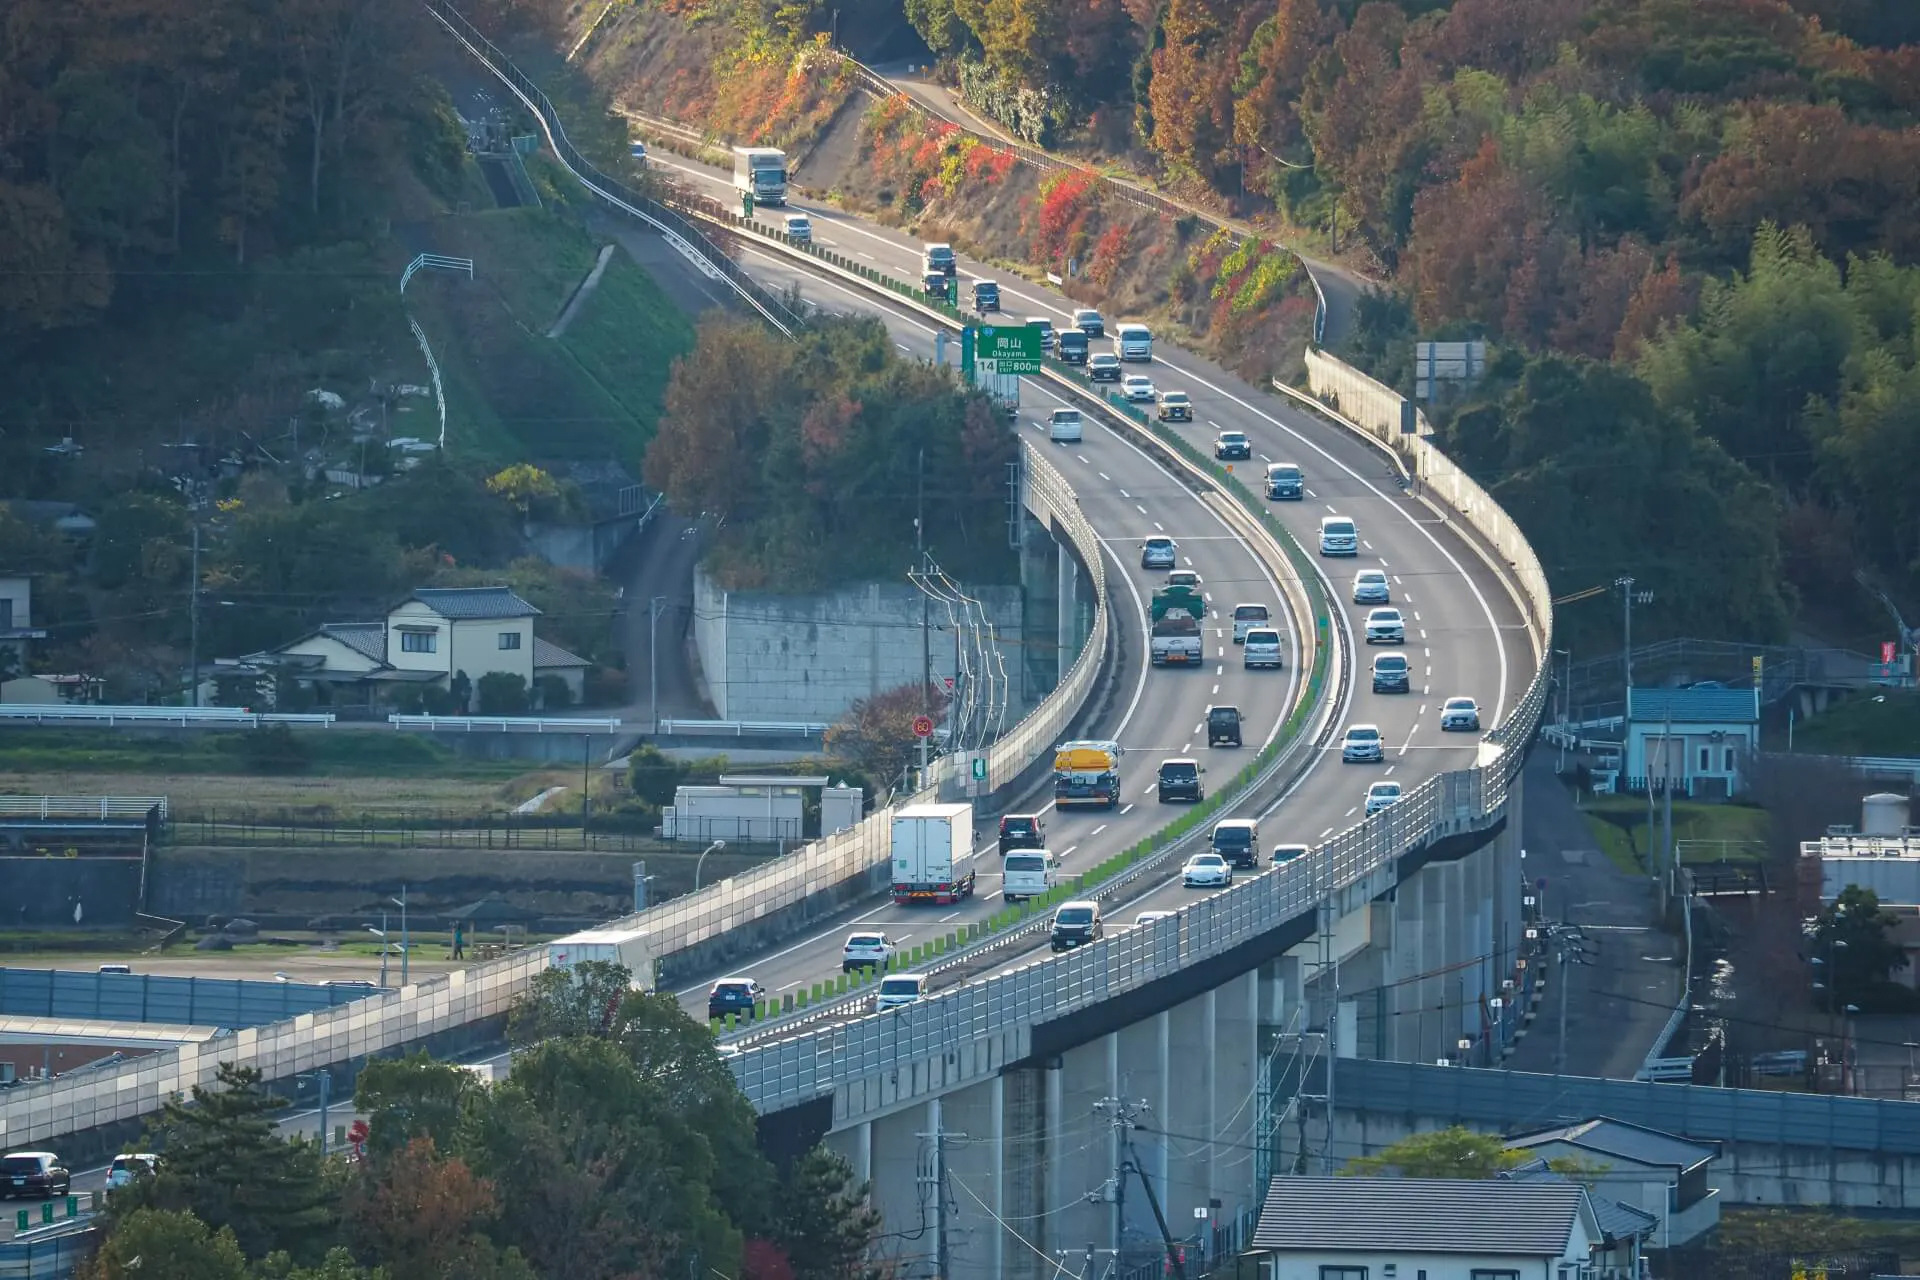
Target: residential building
(63,517)
(1625,1231)
(16,623)
(1428,1229)
(1697,740)
(428,639)
(1657,1173)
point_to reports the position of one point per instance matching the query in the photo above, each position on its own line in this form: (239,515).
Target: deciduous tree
(876,734)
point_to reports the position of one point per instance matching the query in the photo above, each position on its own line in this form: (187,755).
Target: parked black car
(33,1175)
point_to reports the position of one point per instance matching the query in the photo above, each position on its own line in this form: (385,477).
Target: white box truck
(761,171)
(933,853)
(629,947)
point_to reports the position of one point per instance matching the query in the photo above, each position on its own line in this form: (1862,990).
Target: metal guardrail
(185,717)
(743,728)
(504,724)
(680,233)
(101,807)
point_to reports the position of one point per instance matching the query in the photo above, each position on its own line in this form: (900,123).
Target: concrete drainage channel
(964,955)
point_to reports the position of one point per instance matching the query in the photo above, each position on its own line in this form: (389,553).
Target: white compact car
(866,950)
(1460,715)
(1246,617)
(1363,745)
(1138,389)
(900,989)
(799,228)
(1370,587)
(1148,917)
(1064,426)
(1206,871)
(1386,626)
(1380,795)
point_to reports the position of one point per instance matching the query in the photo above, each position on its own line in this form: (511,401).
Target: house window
(509,639)
(1729,760)
(1483,1273)
(1343,1273)
(419,642)
(1706,755)
(6,614)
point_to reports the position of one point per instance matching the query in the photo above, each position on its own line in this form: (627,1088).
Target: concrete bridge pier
(854,1144)
(974,1125)
(903,1170)
(1076,610)
(1040,559)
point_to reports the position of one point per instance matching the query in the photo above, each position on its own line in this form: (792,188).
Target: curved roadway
(1464,630)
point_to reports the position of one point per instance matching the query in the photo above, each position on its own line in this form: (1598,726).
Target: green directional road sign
(1012,348)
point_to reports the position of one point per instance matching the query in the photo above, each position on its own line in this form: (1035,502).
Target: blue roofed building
(1698,740)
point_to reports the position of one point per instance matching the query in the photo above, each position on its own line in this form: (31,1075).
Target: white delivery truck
(761,172)
(629,947)
(933,853)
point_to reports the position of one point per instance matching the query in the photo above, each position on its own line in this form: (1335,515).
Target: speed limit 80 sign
(922,726)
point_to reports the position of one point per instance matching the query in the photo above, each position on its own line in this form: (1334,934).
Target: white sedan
(1138,388)
(1148,917)
(1370,587)
(1460,715)
(1206,871)
(1380,795)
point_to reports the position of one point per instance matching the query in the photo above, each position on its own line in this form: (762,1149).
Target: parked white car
(900,989)
(1380,795)
(866,950)
(1206,871)
(1363,745)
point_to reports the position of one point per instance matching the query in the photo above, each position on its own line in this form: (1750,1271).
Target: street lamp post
(323,1080)
(406,943)
(717,844)
(385,945)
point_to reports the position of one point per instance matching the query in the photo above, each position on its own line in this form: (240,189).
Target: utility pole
(1124,1116)
(1669,870)
(1569,945)
(943,1258)
(926,604)
(193,614)
(653,660)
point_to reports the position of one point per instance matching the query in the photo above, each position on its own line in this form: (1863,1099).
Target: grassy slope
(1748,829)
(1864,727)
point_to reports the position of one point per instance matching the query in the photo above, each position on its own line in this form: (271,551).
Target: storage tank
(1883,814)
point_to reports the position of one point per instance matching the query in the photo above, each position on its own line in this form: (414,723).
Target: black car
(1071,346)
(33,1175)
(986,297)
(1021,831)
(1391,674)
(1223,727)
(1230,446)
(736,996)
(937,285)
(1088,321)
(1076,924)
(1180,780)
(1104,367)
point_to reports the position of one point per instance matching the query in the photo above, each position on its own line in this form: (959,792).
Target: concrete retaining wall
(43,893)
(809,658)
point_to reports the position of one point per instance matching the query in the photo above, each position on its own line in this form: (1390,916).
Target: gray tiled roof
(547,654)
(1618,1221)
(1696,706)
(475,602)
(368,639)
(1499,1218)
(1620,1139)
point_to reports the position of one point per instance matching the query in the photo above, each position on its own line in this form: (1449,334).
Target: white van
(1339,536)
(1262,648)
(1064,426)
(1133,342)
(1029,873)
(1246,617)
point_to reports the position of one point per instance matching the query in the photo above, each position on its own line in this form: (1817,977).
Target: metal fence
(503,830)
(145,997)
(177,717)
(100,808)
(1512,1101)
(682,234)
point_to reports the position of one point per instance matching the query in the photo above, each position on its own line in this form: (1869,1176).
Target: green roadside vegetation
(1882,723)
(1732,833)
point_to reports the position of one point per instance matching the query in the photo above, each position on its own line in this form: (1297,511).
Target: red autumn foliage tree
(420,1213)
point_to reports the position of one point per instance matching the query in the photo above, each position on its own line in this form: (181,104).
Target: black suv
(1180,780)
(1021,831)
(1223,727)
(736,996)
(1076,924)
(1071,346)
(986,297)
(1238,841)
(33,1175)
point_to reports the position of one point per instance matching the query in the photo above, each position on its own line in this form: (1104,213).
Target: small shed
(1697,741)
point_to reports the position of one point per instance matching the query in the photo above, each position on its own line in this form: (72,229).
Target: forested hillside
(1709,209)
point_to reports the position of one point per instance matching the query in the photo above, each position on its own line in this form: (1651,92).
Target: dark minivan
(1021,831)
(1180,780)
(1071,344)
(1223,727)
(1238,841)
(33,1175)
(1076,924)
(986,296)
